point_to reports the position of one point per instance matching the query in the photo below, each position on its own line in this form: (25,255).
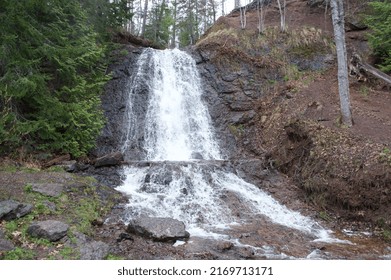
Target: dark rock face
(50,229)
(48,189)
(10,209)
(230,96)
(114,103)
(111,159)
(158,229)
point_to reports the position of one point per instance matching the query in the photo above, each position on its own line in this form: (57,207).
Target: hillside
(287,86)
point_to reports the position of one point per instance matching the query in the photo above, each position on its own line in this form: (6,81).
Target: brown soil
(343,171)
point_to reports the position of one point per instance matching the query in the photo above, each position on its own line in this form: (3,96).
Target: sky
(229,4)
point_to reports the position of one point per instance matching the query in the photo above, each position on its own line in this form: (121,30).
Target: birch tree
(261,16)
(282,9)
(343,81)
(243,17)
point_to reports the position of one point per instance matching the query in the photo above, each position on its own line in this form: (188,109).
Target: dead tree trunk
(343,80)
(361,69)
(282,9)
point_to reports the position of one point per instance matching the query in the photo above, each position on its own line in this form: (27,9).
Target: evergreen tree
(50,77)
(380,38)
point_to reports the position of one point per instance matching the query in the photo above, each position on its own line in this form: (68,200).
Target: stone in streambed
(158,229)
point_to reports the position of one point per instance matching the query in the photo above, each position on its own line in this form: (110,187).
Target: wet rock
(48,189)
(196,155)
(252,170)
(112,159)
(224,245)
(246,253)
(164,178)
(49,229)
(124,236)
(10,209)
(158,229)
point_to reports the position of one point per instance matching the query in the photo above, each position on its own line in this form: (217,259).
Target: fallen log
(361,69)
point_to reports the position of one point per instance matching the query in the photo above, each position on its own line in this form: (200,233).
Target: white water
(177,127)
(177,123)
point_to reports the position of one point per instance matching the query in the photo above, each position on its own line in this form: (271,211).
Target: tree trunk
(282,9)
(174,26)
(213,5)
(144,18)
(343,80)
(261,16)
(160,19)
(243,17)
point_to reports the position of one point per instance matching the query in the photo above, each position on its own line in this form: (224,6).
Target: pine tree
(380,23)
(50,77)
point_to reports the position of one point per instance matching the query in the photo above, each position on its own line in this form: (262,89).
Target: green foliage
(379,20)
(51,76)
(19,254)
(107,15)
(68,253)
(158,29)
(113,257)
(385,156)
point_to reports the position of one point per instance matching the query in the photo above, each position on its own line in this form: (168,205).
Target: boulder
(158,229)
(10,209)
(5,245)
(49,229)
(48,189)
(90,249)
(196,155)
(94,250)
(112,159)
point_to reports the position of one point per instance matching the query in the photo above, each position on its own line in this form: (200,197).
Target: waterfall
(178,133)
(177,123)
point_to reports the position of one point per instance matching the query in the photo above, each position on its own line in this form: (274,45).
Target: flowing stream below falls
(181,173)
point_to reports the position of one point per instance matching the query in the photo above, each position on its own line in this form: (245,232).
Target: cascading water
(183,178)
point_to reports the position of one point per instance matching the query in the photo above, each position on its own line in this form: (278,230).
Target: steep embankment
(280,103)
